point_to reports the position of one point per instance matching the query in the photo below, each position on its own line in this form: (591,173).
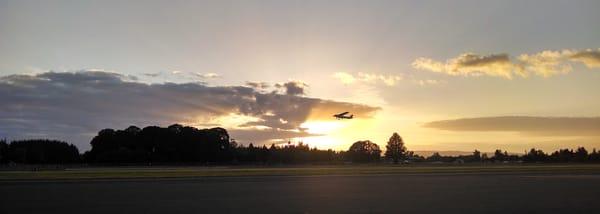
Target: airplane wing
(343,113)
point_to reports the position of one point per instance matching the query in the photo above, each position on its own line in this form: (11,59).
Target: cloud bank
(545,63)
(73,106)
(542,126)
(182,74)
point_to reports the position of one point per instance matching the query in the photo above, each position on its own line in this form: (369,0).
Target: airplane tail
(351,116)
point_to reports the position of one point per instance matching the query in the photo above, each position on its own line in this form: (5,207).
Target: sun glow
(337,134)
(322,127)
(235,120)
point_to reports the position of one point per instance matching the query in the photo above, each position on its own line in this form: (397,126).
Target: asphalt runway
(425,193)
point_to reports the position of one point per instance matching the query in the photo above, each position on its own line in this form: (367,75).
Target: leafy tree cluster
(359,152)
(500,156)
(178,144)
(476,156)
(175,143)
(287,154)
(562,155)
(363,152)
(532,156)
(38,152)
(3,151)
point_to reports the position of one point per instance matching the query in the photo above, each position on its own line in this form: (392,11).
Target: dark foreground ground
(409,193)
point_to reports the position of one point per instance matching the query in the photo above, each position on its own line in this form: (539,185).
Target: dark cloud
(293,87)
(74,106)
(184,74)
(475,60)
(589,57)
(156,74)
(545,126)
(258,85)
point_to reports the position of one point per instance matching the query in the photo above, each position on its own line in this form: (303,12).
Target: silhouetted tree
(3,151)
(364,151)
(435,157)
(535,156)
(594,156)
(175,143)
(581,155)
(42,152)
(563,155)
(411,156)
(287,154)
(395,149)
(476,155)
(499,155)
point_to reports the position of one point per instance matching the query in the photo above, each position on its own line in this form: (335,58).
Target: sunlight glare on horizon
(338,134)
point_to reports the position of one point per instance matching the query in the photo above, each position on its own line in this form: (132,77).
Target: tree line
(184,144)
(38,152)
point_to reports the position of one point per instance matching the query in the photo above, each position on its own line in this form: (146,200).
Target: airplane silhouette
(343,115)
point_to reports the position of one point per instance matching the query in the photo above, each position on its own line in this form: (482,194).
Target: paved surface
(311,194)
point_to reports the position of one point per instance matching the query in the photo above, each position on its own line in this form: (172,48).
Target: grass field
(190,172)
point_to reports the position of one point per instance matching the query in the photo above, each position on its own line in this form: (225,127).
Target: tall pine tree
(395,148)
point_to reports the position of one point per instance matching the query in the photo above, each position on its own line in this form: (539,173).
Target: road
(419,193)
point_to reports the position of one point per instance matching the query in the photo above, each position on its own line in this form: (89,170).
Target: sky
(445,75)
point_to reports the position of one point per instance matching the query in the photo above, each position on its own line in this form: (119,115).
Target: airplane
(343,115)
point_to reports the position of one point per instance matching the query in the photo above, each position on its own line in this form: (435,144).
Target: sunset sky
(445,75)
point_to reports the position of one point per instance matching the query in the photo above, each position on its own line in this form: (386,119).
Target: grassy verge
(189,172)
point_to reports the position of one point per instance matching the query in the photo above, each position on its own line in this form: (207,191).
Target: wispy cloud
(544,126)
(470,64)
(183,74)
(155,74)
(371,78)
(427,82)
(545,63)
(207,75)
